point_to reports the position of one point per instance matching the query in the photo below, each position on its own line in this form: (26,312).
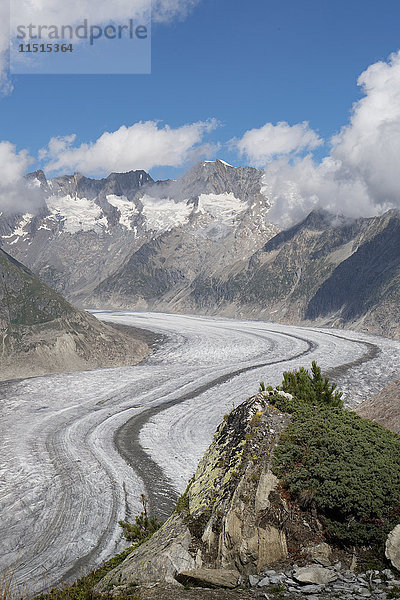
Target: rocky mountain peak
(127,184)
(38,176)
(119,184)
(217,177)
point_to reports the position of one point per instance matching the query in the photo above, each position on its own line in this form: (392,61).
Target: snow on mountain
(19,231)
(222,207)
(218,160)
(162,214)
(127,209)
(77,214)
(86,229)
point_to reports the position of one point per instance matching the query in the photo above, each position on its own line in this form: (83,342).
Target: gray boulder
(210,578)
(314,574)
(320,553)
(253,580)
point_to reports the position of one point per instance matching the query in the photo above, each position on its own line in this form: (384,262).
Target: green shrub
(182,505)
(345,466)
(82,589)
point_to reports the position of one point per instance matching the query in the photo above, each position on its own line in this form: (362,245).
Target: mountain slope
(42,333)
(327,272)
(384,408)
(324,270)
(366,286)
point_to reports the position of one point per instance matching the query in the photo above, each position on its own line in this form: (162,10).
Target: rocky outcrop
(234,516)
(236,525)
(41,333)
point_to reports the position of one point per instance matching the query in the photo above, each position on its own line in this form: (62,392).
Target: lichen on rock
(233,516)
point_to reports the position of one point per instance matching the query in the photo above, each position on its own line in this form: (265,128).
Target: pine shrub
(345,466)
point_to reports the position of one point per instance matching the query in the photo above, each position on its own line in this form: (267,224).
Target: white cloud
(297,188)
(271,141)
(143,145)
(71,12)
(369,147)
(13,164)
(56,146)
(361,175)
(15,194)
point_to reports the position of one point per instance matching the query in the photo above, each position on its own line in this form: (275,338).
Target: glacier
(64,483)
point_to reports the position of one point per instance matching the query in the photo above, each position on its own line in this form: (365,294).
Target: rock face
(41,333)
(393,547)
(233,516)
(320,271)
(384,408)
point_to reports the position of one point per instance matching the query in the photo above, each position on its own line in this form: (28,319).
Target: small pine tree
(325,392)
(144,525)
(311,388)
(141,529)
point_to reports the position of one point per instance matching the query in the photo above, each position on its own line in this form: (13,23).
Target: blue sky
(243,64)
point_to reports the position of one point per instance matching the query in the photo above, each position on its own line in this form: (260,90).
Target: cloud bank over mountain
(271,141)
(143,145)
(16,194)
(359,177)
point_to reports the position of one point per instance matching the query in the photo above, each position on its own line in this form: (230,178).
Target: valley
(65,480)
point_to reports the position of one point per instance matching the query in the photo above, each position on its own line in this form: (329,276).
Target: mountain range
(204,244)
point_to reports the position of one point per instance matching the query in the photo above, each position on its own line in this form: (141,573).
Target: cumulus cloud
(16,194)
(361,175)
(271,141)
(143,145)
(369,147)
(72,12)
(296,189)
